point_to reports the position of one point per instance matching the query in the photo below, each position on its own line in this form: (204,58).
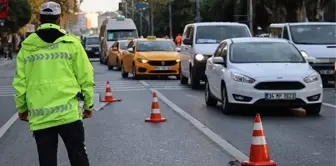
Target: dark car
(91,45)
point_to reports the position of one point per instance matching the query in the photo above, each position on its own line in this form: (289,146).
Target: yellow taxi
(115,54)
(150,56)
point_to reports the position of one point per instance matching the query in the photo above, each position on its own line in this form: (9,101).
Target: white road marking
(144,83)
(208,132)
(8,124)
(329,105)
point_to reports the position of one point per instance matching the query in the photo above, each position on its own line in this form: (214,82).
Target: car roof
(257,39)
(216,23)
(301,23)
(157,39)
(124,40)
(93,36)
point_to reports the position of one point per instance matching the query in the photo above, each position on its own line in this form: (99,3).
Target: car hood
(319,51)
(159,55)
(274,70)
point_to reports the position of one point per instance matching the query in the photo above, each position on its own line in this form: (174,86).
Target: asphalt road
(117,134)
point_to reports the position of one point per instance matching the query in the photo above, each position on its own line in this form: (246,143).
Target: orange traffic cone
(155,116)
(259,155)
(108,94)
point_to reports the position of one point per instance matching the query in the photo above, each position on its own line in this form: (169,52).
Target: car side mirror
(187,41)
(130,50)
(218,60)
(178,49)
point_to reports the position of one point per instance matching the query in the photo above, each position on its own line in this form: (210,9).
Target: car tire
(195,82)
(135,76)
(123,73)
(313,110)
(226,105)
(183,79)
(209,99)
(177,76)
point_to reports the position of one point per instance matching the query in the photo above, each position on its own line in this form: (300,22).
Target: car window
(155,46)
(130,44)
(92,41)
(285,33)
(313,34)
(123,45)
(265,52)
(216,34)
(218,50)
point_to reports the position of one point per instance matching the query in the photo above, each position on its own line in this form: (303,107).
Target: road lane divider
(233,151)
(155,116)
(8,124)
(259,154)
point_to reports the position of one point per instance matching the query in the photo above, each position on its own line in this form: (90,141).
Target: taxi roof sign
(130,38)
(151,37)
(120,18)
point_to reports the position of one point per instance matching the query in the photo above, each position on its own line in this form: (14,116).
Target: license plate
(280,96)
(97,53)
(162,68)
(326,72)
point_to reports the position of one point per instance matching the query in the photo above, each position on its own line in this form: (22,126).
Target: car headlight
(312,78)
(141,60)
(178,60)
(199,57)
(88,48)
(242,78)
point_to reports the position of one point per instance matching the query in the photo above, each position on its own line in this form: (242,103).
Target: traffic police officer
(52,68)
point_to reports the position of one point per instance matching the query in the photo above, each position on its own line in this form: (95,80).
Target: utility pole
(170,20)
(141,15)
(152,17)
(126,8)
(198,12)
(251,15)
(133,9)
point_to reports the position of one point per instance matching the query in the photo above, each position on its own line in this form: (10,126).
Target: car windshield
(123,45)
(216,34)
(92,41)
(155,46)
(114,35)
(265,52)
(313,34)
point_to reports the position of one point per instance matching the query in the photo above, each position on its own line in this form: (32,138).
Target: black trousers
(73,138)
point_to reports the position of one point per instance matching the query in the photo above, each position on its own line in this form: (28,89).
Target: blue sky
(99,5)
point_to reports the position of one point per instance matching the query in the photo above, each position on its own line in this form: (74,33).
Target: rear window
(114,35)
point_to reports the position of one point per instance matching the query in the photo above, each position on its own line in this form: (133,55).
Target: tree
(19,15)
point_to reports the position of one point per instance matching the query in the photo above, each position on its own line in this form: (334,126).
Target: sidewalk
(118,136)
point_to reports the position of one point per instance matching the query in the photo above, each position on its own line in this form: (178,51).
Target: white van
(199,42)
(315,40)
(120,28)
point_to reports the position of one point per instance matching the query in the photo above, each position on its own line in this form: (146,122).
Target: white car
(261,72)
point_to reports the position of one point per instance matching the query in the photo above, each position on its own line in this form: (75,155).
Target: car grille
(162,63)
(95,49)
(281,85)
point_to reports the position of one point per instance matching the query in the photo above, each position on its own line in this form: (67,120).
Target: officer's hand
(87,114)
(23,116)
